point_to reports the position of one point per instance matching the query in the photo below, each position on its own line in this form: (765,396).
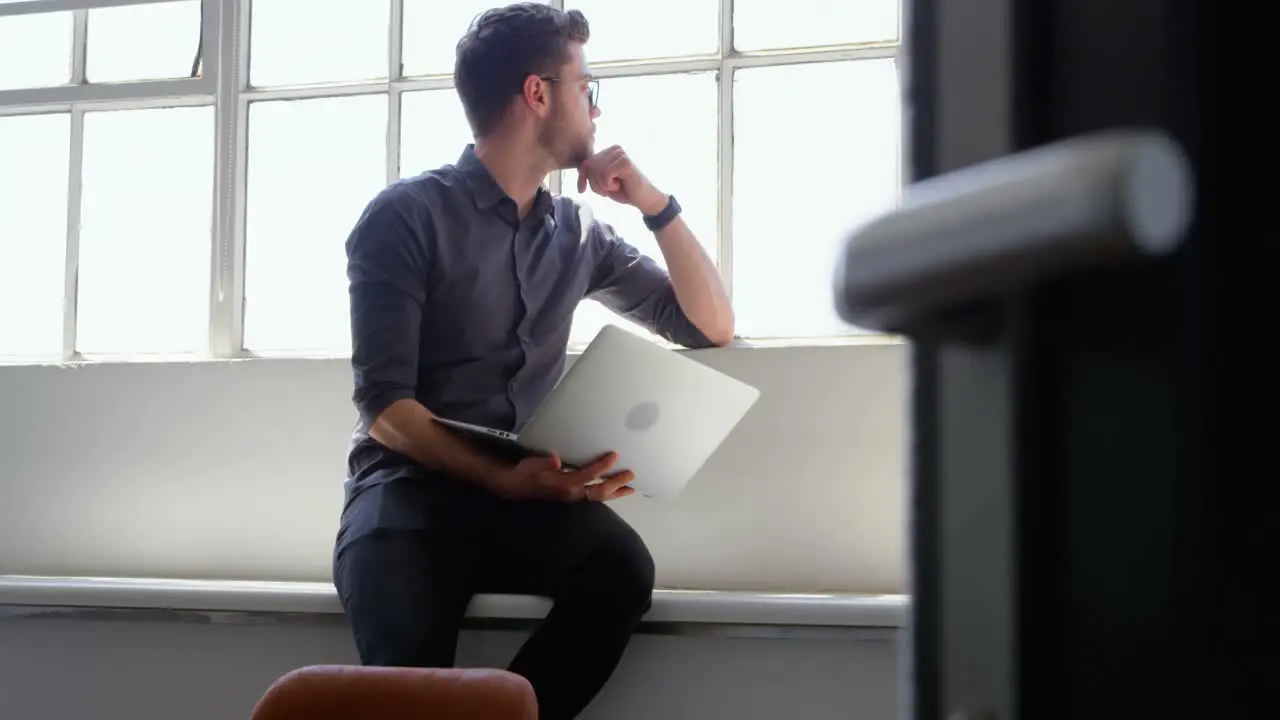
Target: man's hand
(541,477)
(611,173)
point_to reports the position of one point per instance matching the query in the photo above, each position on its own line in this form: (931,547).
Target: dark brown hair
(503,47)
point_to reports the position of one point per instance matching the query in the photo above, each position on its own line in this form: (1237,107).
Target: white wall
(234,470)
(52,669)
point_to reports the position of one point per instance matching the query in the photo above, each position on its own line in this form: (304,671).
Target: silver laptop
(662,412)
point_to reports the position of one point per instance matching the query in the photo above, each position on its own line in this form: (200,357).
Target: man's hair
(503,47)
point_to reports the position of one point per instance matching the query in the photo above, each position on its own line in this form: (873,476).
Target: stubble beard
(567,151)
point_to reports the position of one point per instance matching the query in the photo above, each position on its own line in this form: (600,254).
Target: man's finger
(619,493)
(615,482)
(572,482)
(582,179)
(617,166)
(606,184)
(596,468)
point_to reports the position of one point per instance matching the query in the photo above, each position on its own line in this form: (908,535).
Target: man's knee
(620,570)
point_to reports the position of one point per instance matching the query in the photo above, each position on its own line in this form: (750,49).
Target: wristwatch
(664,218)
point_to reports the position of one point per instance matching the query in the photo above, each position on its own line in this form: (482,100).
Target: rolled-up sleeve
(386,259)
(635,286)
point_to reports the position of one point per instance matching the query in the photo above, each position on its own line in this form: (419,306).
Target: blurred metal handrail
(1000,225)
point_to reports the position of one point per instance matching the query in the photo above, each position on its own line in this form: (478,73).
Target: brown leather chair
(348,692)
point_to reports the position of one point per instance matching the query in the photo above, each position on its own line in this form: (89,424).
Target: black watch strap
(664,218)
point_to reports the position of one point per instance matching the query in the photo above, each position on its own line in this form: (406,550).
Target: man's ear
(535,95)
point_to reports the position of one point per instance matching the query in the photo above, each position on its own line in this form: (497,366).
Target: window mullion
(395,68)
(79,46)
(226,305)
(71,276)
(724,152)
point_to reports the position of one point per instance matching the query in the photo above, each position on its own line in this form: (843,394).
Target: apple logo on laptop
(642,416)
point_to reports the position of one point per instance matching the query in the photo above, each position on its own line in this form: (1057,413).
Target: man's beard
(568,151)
(579,155)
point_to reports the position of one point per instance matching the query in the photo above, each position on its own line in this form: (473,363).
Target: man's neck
(518,171)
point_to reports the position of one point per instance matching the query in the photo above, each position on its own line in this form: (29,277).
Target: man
(463,284)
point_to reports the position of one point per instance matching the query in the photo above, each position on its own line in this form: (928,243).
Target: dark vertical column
(1060,486)
(963,638)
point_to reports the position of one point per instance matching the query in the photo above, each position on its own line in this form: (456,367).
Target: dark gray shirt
(459,303)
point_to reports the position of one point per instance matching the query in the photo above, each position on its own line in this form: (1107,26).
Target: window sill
(738,345)
(30,596)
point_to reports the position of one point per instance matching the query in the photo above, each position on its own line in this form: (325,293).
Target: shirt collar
(486,191)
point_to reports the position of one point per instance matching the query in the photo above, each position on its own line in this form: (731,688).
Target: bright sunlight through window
(180,176)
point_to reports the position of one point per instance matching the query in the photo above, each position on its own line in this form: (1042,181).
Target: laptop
(661,411)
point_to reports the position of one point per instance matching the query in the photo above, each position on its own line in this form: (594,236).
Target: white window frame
(224,83)
(79,96)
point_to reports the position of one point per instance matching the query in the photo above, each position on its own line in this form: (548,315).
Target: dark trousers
(405,582)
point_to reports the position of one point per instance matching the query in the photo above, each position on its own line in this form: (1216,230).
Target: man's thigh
(551,548)
(405,586)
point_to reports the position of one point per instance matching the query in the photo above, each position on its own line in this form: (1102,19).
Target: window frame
(79,96)
(224,83)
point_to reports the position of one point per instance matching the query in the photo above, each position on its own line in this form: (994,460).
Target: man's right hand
(541,477)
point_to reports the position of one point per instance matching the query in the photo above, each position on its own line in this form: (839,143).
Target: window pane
(35,50)
(769,24)
(143,42)
(676,151)
(305,192)
(433,130)
(33,233)
(816,152)
(658,28)
(145,230)
(432,30)
(299,42)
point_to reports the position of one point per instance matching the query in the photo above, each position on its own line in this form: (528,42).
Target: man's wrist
(654,204)
(658,221)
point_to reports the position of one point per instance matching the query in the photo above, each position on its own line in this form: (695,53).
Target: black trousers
(406,579)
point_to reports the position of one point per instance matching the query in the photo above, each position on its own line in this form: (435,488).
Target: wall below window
(233,470)
(109,670)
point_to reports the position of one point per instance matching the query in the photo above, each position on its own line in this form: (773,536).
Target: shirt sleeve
(636,287)
(386,272)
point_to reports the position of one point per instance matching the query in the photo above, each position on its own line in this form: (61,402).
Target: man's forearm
(409,428)
(696,281)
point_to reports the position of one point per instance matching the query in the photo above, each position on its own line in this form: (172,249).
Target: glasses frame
(593,88)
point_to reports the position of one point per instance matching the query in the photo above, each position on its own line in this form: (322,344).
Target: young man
(463,284)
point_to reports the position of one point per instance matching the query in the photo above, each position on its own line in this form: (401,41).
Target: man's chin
(575,161)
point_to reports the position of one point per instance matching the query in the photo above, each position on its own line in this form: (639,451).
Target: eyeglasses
(593,89)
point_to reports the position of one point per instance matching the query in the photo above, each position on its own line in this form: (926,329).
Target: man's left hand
(611,173)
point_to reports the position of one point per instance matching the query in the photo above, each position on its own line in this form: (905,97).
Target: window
(35,50)
(433,130)
(33,233)
(145,223)
(313,166)
(767,24)
(107,188)
(306,42)
(677,150)
(172,32)
(180,176)
(431,31)
(653,29)
(794,201)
